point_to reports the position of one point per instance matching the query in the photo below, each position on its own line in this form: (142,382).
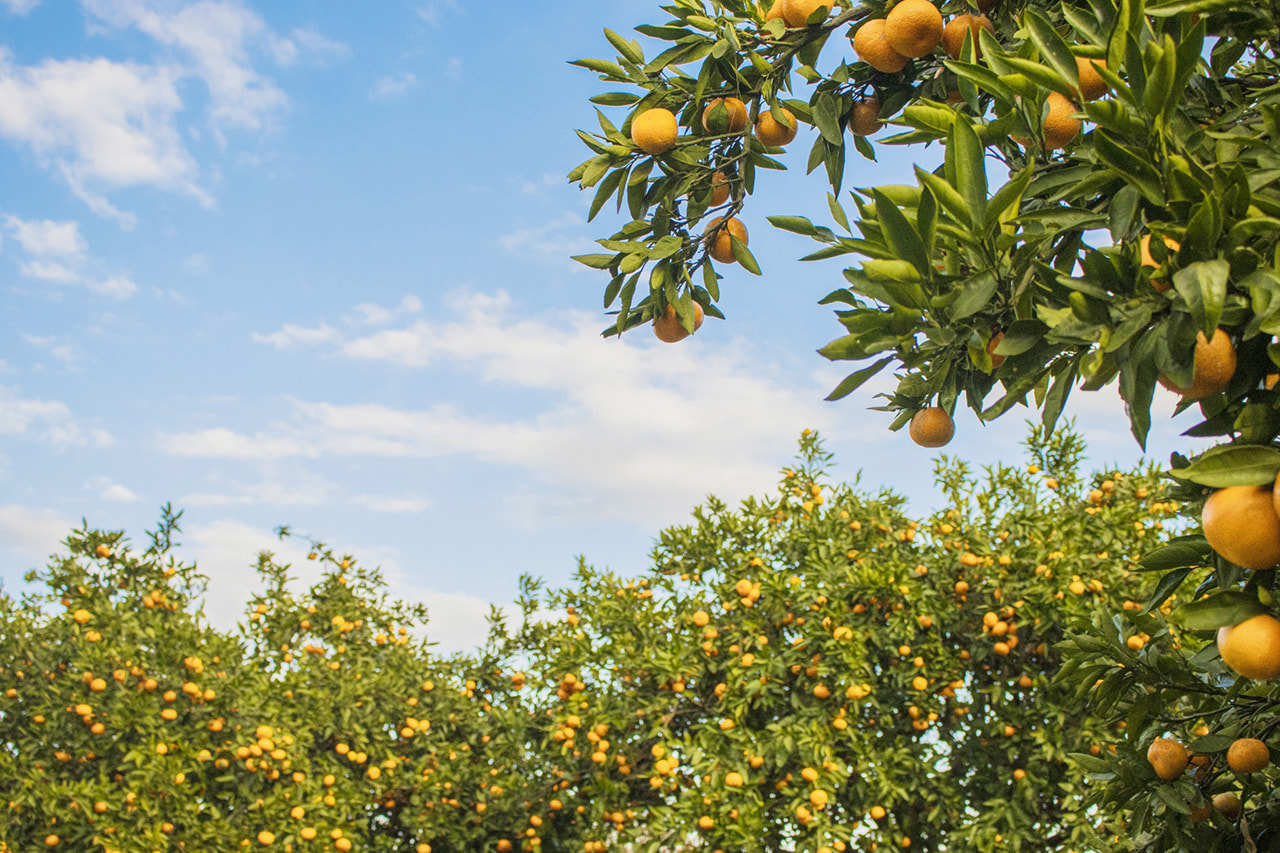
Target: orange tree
(1106,213)
(814,670)
(322,723)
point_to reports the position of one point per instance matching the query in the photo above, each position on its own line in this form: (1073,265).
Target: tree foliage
(1033,262)
(784,671)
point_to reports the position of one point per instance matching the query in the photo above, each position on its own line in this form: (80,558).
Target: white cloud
(392,86)
(19,7)
(552,242)
(98,121)
(624,423)
(433,10)
(109,490)
(48,421)
(56,253)
(291,336)
(34,532)
(400,505)
(62,352)
(45,237)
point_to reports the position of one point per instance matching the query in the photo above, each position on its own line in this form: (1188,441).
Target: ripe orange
(873,48)
(1168,758)
(1252,648)
(732,119)
(772,132)
(668,327)
(797,12)
(733,780)
(1060,126)
(865,118)
(996,360)
(1248,755)
(654,131)
(931,427)
(81,616)
(265,838)
(775,11)
(1228,804)
(914,28)
(1241,524)
(719,189)
(722,247)
(953,33)
(1092,86)
(1214,363)
(1144,255)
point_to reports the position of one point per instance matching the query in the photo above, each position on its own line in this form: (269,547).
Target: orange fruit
(775,11)
(1144,255)
(772,132)
(654,131)
(1168,758)
(670,330)
(722,247)
(996,360)
(733,780)
(733,119)
(877,813)
(914,28)
(931,427)
(719,189)
(1092,86)
(1213,366)
(953,33)
(1241,524)
(265,838)
(1199,812)
(1060,126)
(873,48)
(1252,648)
(797,12)
(1248,755)
(1228,804)
(865,118)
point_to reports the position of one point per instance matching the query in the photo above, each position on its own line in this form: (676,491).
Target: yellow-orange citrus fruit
(775,11)
(953,33)
(1228,804)
(1248,755)
(668,327)
(1060,126)
(733,119)
(865,118)
(797,12)
(873,48)
(1168,758)
(733,780)
(1144,255)
(914,28)
(931,427)
(1212,368)
(772,132)
(1241,524)
(719,189)
(1092,86)
(654,131)
(996,360)
(722,246)
(1252,648)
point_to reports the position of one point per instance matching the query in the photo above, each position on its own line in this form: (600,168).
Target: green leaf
(609,69)
(1177,555)
(1204,286)
(946,194)
(596,262)
(607,188)
(743,255)
(1232,465)
(1052,47)
(975,293)
(1165,588)
(855,380)
(971,167)
(614,99)
(900,235)
(1217,611)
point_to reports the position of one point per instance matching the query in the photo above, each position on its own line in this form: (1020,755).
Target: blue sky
(307,264)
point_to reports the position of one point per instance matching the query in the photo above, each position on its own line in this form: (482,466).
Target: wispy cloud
(55,252)
(19,7)
(622,424)
(47,421)
(392,86)
(433,11)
